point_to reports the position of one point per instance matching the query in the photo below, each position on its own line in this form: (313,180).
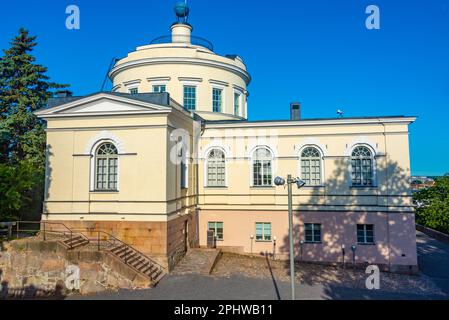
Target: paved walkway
(433,260)
(197,261)
(431,284)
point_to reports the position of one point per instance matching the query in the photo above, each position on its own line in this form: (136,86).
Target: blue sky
(317,52)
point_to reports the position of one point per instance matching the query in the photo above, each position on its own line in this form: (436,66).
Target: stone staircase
(124,257)
(139,262)
(124,253)
(75,242)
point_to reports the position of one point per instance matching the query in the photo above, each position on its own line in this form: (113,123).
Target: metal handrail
(81,233)
(45,232)
(127,246)
(198,41)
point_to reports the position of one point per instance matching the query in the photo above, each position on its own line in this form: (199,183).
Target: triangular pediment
(102,104)
(106,105)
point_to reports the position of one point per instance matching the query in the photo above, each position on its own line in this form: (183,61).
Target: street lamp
(278,181)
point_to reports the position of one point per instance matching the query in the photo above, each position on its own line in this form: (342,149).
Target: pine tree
(24,88)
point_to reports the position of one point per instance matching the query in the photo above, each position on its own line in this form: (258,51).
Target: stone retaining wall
(440,236)
(42,266)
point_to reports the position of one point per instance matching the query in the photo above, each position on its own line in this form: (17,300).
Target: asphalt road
(433,260)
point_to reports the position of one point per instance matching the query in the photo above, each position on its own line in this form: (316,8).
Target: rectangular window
(312,232)
(263,231)
(217,95)
(216,173)
(159,88)
(107,174)
(217,228)
(262,176)
(134,91)
(112,181)
(101,174)
(190,97)
(236,104)
(365,233)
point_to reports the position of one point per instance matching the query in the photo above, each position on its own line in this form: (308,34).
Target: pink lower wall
(395,242)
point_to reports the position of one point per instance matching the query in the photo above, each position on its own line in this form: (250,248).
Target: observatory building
(168,160)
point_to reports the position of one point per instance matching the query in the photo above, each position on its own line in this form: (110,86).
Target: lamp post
(278,181)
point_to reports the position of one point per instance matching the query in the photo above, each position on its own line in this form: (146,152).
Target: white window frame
(365,234)
(133,88)
(252,158)
(320,151)
(158,83)
(223,98)
(374,166)
(240,93)
(215,229)
(206,159)
(263,232)
(190,84)
(313,234)
(93,164)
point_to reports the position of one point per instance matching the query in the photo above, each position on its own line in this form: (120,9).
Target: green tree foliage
(16,185)
(433,205)
(24,88)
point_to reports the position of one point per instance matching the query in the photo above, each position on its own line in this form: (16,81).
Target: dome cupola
(210,85)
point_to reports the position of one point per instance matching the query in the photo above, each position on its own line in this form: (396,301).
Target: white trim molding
(132,83)
(311,142)
(215,145)
(219,83)
(362,140)
(103,137)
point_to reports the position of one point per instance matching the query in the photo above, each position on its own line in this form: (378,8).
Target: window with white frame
(237,97)
(190,97)
(106,167)
(217,228)
(365,233)
(262,168)
(263,231)
(133,90)
(159,88)
(312,232)
(217,99)
(311,166)
(216,169)
(362,167)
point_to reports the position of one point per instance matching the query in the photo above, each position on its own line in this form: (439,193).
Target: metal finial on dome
(182,11)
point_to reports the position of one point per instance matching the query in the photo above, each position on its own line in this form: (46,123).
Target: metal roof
(162,99)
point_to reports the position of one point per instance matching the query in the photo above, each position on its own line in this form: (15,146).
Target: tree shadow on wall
(30,293)
(344,207)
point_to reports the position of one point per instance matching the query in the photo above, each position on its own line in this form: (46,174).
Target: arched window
(362,166)
(311,166)
(106,167)
(262,168)
(216,169)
